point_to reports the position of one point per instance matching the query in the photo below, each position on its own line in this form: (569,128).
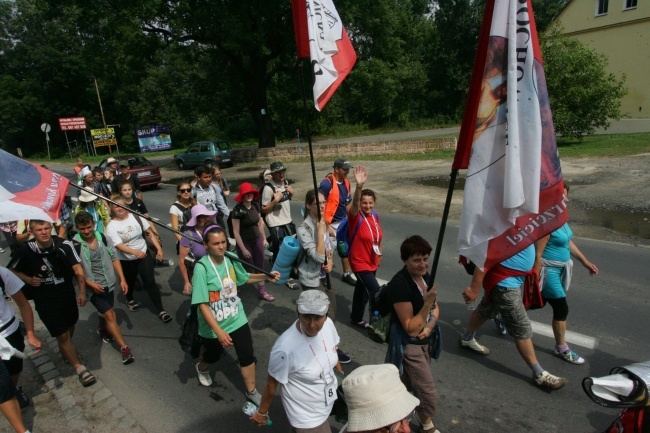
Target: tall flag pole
(514,188)
(321,37)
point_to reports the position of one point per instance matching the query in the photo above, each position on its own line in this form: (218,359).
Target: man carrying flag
(513,192)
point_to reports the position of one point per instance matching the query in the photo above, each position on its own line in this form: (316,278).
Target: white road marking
(571,337)
(547,331)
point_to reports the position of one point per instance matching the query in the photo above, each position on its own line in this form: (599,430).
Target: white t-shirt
(281,212)
(12,285)
(300,373)
(129,233)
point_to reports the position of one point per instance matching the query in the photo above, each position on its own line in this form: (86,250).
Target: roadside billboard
(72,123)
(153,138)
(103,137)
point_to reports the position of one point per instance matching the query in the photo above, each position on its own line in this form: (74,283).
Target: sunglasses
(182,190)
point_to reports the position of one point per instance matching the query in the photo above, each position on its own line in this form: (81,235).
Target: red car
(148,173)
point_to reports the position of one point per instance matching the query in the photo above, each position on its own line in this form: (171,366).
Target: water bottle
(375,316)
(249,408)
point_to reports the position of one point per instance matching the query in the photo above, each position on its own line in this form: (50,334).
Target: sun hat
(86,196)
(342,163)
(197,210)
(247,188)
(313,302)
(84,172)
(111,160)
(276,166)
(376,397)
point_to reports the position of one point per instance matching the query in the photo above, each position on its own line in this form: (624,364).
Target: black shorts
(243,342)
(60,317)
(14,364)
(103,302)
(7,387)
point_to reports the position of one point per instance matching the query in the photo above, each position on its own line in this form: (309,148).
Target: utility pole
(99,99)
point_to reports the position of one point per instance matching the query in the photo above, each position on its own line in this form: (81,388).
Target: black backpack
(239,212)
(187,215)
(261,190)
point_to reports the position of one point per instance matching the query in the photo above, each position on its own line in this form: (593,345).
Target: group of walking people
(114,246)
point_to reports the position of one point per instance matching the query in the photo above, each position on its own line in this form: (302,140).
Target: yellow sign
(103,137)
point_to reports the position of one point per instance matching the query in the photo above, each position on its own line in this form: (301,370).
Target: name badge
(330,392)
(376,250)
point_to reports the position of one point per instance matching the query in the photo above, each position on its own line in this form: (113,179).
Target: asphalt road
(477,393)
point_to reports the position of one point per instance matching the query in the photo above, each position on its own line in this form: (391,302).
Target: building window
(630,4)
(602,6)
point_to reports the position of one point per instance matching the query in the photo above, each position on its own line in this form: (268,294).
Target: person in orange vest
(338,204)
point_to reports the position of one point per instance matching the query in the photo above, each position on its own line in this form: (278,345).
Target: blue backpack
(343,238)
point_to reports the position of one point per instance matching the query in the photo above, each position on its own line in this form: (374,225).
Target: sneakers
(204,376)
(473,345)
(23,400)
(548,381)
(569,356)
(349,279)
(108,338)
(292,284)
(127,356)
(343,358)
(362,324)
(2,250)
(254,397)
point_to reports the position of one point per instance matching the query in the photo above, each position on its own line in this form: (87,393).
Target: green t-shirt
(219,290)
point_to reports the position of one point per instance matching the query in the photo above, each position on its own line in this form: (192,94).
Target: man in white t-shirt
(208,194)
(12,286)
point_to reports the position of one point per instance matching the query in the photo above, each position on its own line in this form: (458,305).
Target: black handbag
(190,340)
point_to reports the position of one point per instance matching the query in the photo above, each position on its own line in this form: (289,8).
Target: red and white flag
(513,189)
(330,50)
(28,191)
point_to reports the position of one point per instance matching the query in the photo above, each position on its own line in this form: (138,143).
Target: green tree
(583,95)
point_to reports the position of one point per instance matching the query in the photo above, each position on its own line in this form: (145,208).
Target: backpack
(261,191)
(239,213)
(187,215)
(343,238)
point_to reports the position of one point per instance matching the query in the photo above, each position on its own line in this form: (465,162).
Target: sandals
(133,306)
(87,378)
(266,297)
(164,316)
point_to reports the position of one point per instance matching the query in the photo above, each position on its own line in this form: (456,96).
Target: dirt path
(605,192)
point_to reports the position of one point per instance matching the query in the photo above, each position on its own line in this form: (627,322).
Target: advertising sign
(153,138)
(103,137)
(72,123)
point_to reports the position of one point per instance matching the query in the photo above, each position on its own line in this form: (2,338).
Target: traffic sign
(46,127)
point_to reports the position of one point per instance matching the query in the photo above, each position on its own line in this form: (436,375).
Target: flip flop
(266,297)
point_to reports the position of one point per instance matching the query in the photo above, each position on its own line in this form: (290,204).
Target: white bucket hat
(376,397)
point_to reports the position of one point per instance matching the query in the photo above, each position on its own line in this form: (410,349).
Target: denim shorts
(507,301)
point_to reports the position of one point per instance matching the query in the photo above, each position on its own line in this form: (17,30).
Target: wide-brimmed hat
(376,397)
(342,163)
(276,166)
(84,172)
(111,160)
(198,210)
(86,196)
(313,302)
(247,188)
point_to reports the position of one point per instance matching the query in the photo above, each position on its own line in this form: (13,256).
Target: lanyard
(372,236)
(314,353)
(216,272)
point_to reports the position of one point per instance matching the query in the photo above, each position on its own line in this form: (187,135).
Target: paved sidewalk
(59,403)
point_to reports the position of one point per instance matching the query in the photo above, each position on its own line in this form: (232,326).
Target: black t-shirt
(54,265)
(402,288)
(137,205)
(248,221)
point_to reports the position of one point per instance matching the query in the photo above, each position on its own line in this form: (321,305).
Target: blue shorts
(553,288)
(103,302)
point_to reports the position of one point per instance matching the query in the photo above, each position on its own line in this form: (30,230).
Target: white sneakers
(474,345)
(547,380)
(204,376)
